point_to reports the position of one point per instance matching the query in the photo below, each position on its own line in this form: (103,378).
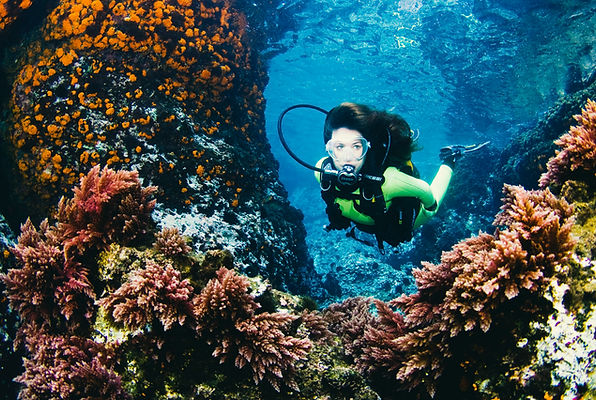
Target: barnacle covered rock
(10,10)
(171,89)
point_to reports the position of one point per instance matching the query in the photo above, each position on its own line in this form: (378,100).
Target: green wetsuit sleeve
(438,188)
(399,184)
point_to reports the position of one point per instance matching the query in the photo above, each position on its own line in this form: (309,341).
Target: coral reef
(496,318)
(110,206)
(172,89)
(110,308)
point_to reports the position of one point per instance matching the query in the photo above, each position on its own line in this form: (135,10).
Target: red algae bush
(496,317)
(102,320)
(576,160)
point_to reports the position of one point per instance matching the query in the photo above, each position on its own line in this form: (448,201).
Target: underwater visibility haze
(157,241)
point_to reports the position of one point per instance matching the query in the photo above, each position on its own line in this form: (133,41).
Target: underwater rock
(11,10)
(524,159)
(172,89)
(7,240)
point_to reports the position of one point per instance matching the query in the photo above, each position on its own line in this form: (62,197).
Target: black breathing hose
(307,165)
(283,140)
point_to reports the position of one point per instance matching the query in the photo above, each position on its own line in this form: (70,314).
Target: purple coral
(381,350)
(349,321)
(69,368)
(47,291)
(53,291)
(154,293)
(467,290)
(108,206)
(53,288)
(577,156)
(225,313)
(316,326)
(263,344)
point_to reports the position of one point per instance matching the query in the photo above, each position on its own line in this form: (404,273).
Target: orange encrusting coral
(112,68)
(10,11)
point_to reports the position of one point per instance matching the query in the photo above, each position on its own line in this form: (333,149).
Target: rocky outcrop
(172,89)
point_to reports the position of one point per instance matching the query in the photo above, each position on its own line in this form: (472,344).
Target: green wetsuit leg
(438,187)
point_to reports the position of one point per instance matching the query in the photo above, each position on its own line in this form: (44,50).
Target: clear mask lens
(348,151)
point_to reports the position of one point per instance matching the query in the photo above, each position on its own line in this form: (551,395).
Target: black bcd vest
(393,224)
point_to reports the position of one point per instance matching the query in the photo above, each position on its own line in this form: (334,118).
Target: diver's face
(347,147)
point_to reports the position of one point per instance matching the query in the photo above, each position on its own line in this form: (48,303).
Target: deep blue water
(460,71)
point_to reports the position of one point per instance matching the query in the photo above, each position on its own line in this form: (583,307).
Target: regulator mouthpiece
(347,175)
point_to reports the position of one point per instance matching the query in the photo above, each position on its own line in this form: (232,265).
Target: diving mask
(343,152)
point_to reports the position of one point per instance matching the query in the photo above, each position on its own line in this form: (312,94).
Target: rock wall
(172,89)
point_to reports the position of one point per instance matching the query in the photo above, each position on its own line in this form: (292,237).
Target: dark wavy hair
(374,126)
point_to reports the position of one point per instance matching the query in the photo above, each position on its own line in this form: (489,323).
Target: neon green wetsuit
(400,184)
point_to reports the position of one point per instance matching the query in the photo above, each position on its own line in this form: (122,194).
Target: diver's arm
(400,184)
(440,183)
(438,187)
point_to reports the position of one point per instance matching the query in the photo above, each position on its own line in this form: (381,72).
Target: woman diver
(368,177)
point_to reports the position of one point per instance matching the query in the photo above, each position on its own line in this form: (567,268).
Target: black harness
(393,224)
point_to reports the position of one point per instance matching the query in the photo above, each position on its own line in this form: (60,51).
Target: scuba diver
(368,178)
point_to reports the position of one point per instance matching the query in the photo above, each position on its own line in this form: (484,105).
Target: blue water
(462,71)
(459,71)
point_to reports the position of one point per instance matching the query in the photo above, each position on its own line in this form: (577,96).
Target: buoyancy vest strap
(371,201)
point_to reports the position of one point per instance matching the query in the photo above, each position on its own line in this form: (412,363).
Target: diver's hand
(449,155)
